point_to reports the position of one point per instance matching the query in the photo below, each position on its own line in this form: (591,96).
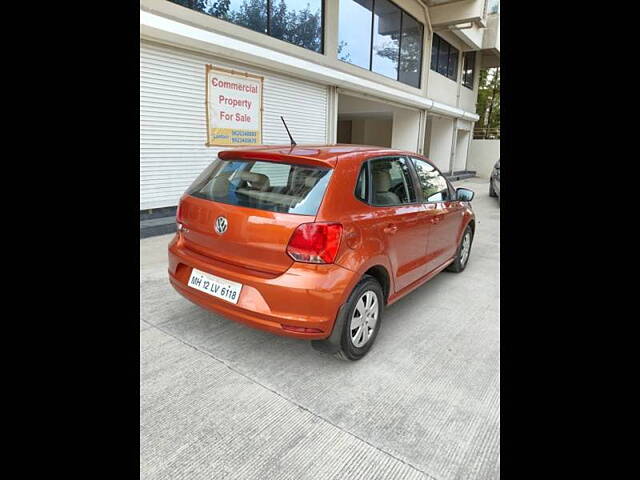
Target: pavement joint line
(230,367)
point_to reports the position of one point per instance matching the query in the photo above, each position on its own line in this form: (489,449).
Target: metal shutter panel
(173,118)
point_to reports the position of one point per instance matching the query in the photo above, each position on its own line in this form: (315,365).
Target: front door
(444,214)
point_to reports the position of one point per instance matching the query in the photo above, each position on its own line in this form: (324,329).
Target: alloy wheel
(364,319)
(466,246)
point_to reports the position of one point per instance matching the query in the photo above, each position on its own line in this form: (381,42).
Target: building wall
(372,131)
(406,125)
(462,146)
(172,112)
(483,154)
(456,11)
(173,118)
(328,58)
(444,89)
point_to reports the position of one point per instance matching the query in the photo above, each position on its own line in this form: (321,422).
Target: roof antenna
(293,143)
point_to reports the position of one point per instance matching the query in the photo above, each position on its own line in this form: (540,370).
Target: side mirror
(464,194)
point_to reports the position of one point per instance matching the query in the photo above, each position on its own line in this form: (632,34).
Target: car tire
(492,192)
(347,343)
(462,259)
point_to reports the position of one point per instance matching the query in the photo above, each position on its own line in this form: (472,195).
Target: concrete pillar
(454,144)
(332,115)
(406,129)
(331,21)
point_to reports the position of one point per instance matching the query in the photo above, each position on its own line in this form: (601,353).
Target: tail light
(315,242)
(179,217)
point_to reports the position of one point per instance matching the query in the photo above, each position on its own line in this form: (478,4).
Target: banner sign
(234,107)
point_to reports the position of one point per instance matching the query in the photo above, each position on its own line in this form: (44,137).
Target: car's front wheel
(492,192)
(464,250)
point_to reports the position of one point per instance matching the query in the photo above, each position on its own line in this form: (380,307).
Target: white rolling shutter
(173,118)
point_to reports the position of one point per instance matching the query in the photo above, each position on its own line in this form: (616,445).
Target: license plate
(215,286)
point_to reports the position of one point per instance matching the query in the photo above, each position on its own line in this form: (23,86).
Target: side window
(362,185)
(391,180)
(434,186)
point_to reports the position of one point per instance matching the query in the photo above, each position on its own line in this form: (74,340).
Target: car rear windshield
(276,187)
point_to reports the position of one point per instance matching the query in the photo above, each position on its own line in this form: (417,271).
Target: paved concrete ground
(221,400)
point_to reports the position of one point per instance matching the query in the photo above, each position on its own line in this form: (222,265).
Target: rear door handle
(436,219)
(390,229)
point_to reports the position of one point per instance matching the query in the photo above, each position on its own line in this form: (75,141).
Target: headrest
(310,181)
(381,181)
(257,181)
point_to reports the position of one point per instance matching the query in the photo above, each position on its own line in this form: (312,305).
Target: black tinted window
(434,186)
(444,58)
(469,67)
(391,182)
(276,187)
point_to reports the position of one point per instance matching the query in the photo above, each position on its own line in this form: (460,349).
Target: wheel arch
(380,273)
(472,224)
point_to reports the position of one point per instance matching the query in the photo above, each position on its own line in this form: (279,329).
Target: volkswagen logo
(221,225)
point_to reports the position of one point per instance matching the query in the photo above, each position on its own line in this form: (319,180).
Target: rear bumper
(306,295)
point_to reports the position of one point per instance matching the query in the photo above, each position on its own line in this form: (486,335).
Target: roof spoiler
(283,157)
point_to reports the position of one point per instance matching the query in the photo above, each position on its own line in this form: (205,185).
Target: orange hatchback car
(314,242)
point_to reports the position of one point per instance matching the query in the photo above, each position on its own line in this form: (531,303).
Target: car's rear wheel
(464,250)
(492,192)
(360,321)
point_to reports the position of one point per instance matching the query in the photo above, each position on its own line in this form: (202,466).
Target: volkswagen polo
(314,242)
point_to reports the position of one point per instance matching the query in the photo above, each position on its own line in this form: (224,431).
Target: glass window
(452,69)
(410,51)
(386,39)
(444,58)
(391,182)
(354,45)
(379,36)
(296,21)
(434,186)
(469,60)
(435,48)
(260,185)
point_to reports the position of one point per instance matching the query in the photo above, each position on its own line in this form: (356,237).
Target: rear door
(244,212)
(444,214)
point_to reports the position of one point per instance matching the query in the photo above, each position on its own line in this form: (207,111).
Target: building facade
(401,74)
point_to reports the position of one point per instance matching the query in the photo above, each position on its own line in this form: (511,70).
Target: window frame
(451,48)
(452,190)
(465,55)
(369,178)
(403,12)
(267,33)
